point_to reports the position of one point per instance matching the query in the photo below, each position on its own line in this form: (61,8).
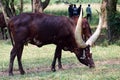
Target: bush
(115,26)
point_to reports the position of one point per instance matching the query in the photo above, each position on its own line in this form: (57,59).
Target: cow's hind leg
(57,55)
(2,30)
(19,55)
(17,50)
(6,36)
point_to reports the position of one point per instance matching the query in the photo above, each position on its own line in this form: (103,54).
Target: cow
(41,29)
(3,26)
(86,33)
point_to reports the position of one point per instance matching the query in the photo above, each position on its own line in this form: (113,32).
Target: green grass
(75,1)
(37,62)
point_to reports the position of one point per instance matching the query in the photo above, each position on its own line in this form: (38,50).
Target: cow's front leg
(59,59)
(56,55)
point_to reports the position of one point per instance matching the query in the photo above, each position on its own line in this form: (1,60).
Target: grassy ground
(37,61)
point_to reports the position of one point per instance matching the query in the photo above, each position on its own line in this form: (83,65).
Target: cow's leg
(56,55)
(12,57)
(2,30)
(16,49)
(6,36)
(19,55)
(59,59)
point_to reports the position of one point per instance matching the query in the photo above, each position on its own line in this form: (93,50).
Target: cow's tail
(10,34)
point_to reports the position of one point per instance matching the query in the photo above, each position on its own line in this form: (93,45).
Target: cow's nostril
(92,66)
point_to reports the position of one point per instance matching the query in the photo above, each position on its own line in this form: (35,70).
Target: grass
(37,61)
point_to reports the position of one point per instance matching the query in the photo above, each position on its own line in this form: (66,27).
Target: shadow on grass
(40,66)
(43,70)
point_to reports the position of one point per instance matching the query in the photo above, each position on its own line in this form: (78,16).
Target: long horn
(78,32)
(96,34)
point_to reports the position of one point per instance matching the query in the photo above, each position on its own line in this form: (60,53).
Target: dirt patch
(65,66)
(112,62)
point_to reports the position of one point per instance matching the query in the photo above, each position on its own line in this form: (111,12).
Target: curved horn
(96,34)
(78,31)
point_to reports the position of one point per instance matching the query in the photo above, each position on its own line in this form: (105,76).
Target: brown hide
(2,21)
(39,29)
(3,26)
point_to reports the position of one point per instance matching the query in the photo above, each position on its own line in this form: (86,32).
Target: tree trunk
(38,5)
(7,9)
(45,4)
(21,6)
(111,12)
(104,13)
(12,8)
(108,9)
(4,12)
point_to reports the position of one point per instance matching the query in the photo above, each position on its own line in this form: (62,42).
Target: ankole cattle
(86,33)
(3,26)
(41,29)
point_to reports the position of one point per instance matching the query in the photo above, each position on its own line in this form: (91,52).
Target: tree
(12,8)
(38,5)
(21,6)
(108,9)
(104,13)
(7,11)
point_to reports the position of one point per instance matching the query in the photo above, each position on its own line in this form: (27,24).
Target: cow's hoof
(22,72)
(53,69)
(11,74)
(60,66)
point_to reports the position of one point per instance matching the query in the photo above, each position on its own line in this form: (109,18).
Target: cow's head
(83,52)
(84,55)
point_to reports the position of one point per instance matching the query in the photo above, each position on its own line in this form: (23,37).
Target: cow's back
(41,27)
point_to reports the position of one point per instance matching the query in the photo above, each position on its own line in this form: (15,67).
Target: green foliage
(25,1)
(118,1)
(57,12)
(17,5)
(70,1)
(115,26)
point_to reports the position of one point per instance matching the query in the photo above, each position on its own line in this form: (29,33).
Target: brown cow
(42,29)
(3,26)
(86,33)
